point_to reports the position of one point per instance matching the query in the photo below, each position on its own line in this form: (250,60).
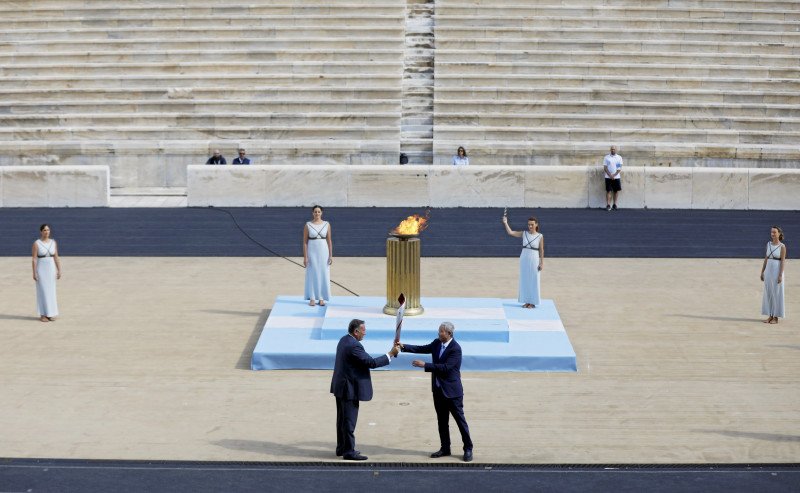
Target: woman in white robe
(317,258)
(46,269)
(531,262)
(772,275)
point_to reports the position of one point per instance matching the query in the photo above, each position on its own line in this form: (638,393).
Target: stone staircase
(416,136)
(150,86)
(689,83)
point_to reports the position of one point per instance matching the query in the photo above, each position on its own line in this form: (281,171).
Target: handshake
(398,347)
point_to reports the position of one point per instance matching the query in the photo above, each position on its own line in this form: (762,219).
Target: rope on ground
(268,249)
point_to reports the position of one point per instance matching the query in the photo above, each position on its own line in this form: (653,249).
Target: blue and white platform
(495,334)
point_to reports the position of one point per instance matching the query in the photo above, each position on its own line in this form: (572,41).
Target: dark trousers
(444,408)
(346,417)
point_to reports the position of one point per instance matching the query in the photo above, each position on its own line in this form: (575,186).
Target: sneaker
(614,207)
(608,207)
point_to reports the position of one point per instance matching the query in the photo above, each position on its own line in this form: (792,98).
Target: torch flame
(412,225)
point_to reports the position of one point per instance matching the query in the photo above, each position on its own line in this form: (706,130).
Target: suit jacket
(238,160)
(216,160)
(351,379)
(447,368)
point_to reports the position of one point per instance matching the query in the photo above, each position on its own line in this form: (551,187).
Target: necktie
(441,352)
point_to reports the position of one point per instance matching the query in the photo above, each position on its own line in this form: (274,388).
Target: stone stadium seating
(148,87)
(678,83)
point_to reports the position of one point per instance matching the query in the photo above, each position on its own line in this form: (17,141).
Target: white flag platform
(494,334)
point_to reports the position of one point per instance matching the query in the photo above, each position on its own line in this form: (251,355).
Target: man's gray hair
(448,327)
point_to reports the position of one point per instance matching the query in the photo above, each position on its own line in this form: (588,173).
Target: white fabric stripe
(535,325)
(294,323)
(429,313)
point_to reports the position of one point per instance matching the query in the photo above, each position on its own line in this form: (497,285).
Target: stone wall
(491,186)
(54,186)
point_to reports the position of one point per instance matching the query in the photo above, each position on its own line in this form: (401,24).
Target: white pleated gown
(772,301)
(529,269)
(46,302)
(318,272)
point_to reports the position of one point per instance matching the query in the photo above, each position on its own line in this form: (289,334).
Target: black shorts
(613,185)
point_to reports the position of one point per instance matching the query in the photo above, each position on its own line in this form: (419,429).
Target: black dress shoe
(339,453)
(440,453)
(468,456)
(355,457)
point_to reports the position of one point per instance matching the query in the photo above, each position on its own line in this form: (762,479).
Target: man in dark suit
(351,383)
(448,394)
(241,159)
(217,158)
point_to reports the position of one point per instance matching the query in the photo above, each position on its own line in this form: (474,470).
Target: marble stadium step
(698,4)
(181,120)
(209,106)
(148,197)
(149,191)
(314,134)
(610,56)
(190,56)
(600,34)
(682,109)
(614,69)
(196,149)
(664,123)
(420,157)
(163,34)
(102,11)
(603,82)
(627,23)
(256,93)
(193,82)
(417,146)
(619,95)
(204,43)
(635,153)
(419,133)
(206,67)
(354,16)
(516,15)
(618,45)
(239,5)
(656,135)
(417,120)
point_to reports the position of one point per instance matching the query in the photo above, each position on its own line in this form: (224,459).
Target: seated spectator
(460,159)
(217,158)
(241,159)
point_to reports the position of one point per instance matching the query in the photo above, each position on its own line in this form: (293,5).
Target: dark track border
(122,476)
(362,232)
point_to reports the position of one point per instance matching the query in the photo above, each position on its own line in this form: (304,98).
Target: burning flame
(412,225)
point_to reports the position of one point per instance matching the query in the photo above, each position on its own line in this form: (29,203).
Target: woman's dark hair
(461,149)
(317,207)
(780,232)
(536,221)
(45,225)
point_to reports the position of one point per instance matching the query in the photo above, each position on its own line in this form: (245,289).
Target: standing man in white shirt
(612,167)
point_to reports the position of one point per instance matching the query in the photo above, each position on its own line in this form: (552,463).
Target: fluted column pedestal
(402,275)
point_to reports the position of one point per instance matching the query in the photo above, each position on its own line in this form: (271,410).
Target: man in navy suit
(351,383)
(241,159)
(448,394)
